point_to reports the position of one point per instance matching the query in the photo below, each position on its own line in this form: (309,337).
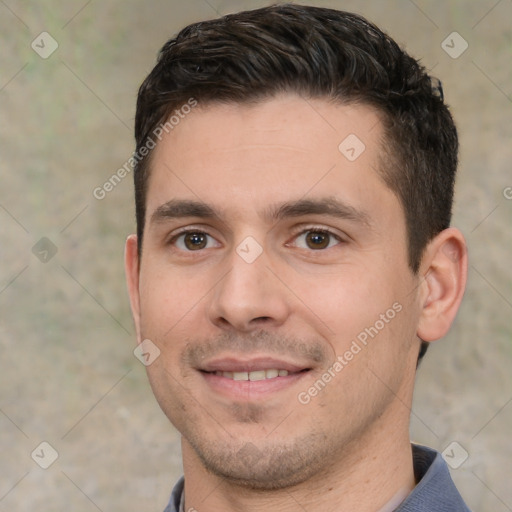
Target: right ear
(131,267)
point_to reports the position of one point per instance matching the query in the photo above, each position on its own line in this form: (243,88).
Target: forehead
(280,149)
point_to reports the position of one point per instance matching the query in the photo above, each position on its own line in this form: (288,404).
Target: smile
(254,375)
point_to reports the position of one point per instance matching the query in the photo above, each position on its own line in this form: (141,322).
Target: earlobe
(444,269)
(131,265)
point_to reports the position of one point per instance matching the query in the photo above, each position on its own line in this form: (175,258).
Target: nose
(249,297)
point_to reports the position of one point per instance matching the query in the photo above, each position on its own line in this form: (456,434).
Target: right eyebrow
(179,208)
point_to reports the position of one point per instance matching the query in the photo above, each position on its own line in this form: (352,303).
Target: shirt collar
(177,501)
(435,489)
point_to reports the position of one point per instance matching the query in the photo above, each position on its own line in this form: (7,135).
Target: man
(293,258)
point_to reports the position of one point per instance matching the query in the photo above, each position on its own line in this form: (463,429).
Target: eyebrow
(325,206)
(180,208)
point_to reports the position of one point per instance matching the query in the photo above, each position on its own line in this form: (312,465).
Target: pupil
(195,241)
(317,240)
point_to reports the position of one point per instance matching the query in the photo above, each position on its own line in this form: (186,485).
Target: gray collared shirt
(435,491)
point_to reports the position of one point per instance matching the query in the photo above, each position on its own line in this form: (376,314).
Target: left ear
(444,270)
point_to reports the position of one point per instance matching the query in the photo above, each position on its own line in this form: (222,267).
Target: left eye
(316,240)
(194,241)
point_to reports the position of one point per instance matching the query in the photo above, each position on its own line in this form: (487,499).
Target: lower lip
(247,389)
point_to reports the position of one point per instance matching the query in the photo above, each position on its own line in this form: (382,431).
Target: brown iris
(317,240)
(195,241)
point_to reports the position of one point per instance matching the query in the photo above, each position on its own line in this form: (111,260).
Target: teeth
(258,375)
(272,374)
(255,375)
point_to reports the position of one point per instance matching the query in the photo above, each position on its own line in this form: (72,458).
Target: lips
(259,375)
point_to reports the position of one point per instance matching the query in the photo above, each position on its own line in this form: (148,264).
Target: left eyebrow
(323,206)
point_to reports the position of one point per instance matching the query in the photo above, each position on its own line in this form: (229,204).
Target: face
(274,281)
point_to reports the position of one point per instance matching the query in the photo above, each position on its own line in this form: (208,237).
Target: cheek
(166,299)
(368,319)
(346,301)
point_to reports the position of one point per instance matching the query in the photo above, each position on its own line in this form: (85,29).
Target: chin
(265,466)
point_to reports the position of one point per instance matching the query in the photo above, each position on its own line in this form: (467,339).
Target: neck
(373,474)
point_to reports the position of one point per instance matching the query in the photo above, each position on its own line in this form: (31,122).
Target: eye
(194,241)
(316,239)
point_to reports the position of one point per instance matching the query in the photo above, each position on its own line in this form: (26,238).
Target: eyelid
(304,228)
(173,237)
(297,231)
(337,239)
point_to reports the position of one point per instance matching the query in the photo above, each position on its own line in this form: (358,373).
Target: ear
(131,267)
(444,270)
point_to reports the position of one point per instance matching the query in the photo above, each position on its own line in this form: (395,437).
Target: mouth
(253,376)
(250,379)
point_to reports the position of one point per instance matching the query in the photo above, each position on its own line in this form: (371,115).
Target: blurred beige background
(68,375)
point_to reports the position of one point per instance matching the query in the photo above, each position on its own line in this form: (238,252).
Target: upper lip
(237,364)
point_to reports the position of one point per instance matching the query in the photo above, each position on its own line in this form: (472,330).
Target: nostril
(223,321)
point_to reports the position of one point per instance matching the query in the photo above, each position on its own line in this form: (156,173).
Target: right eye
(194,241)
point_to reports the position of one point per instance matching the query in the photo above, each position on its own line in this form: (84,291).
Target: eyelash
(185,232)
(320,230)
(303,231)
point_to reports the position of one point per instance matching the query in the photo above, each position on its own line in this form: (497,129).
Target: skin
(247,446)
